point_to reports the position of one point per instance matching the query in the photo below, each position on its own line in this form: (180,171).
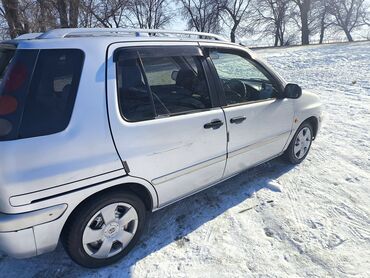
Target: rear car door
(259,120)
(165,119)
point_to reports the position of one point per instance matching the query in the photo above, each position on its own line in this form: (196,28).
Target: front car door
(165,122)
(259,120)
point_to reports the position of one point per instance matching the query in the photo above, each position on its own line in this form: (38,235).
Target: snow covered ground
(275,220)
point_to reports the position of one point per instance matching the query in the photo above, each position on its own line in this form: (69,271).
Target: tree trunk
(276,37)
(305,29)
(73,13)
(43,15)
(304,9)
(62,11)
(281,39)
(348,34)
(232,34)
(322,27)
(322,33)
(12,18)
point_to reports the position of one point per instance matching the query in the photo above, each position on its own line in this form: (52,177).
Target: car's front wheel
(104,229)
(300,144)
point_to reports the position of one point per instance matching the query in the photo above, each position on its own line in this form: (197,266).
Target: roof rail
(28,36)
(81,32)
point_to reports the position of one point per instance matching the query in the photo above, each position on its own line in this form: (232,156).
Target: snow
(312,220)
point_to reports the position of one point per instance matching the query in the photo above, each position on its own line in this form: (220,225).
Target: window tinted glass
(151,87)
(159,70)
(242,79)
(52,92)
(176,86)
(134,97)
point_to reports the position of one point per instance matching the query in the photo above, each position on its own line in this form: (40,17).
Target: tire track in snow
(294,198)
(353,220)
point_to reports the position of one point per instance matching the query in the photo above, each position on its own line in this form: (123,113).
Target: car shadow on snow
(166,226)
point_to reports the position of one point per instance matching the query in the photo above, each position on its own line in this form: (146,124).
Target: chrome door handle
(214,124)
(238,120)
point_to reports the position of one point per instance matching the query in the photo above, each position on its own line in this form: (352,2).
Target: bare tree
(348,14)
(265,17)
(304,7)
(10,11)
(110,13)
(45,15)
(87,18)
(202,15)
(149,14)
(236,13)
(323,17)
(61,6)
(68,11)
(28,15)
(74,6)
(273,15)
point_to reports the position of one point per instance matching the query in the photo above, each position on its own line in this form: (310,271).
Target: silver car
(101,127)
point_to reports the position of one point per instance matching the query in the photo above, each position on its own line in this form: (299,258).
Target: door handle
(215,124)
(238,120)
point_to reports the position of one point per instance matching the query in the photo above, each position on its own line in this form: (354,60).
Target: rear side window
(152,85)
(52,92)
(159,70)
(37,90)
(136,103)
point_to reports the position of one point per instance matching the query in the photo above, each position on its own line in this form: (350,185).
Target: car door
(259,120)
(166,122)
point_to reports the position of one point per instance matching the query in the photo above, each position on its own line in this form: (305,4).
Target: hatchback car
(99,127)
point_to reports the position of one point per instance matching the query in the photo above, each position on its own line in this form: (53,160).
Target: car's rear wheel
(300,145)
(104,229)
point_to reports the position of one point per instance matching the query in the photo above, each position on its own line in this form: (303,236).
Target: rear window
(6,55)
(37,91)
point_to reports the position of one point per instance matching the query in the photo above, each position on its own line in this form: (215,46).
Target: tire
(305,131)
(115,218)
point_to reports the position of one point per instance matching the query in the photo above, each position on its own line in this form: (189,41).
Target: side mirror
(293,91)
(174,75)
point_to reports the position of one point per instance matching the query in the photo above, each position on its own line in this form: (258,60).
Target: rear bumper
(17,231)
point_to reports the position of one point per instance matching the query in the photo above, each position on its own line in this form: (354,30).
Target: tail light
(5,127)
(13,91)
(8,105)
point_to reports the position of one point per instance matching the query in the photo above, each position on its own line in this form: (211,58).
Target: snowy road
(312,220)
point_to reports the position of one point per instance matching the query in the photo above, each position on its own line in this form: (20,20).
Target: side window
(243,80)
(52,92)
(176,86)
(157,86)
(134,98)
(159,70)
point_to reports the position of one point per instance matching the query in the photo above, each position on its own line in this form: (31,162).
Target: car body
(46,175)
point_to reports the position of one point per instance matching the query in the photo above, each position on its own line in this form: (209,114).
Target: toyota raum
(100,127)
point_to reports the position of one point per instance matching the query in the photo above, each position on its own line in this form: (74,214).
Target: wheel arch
(314,123)
(313,120)
(133,187)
